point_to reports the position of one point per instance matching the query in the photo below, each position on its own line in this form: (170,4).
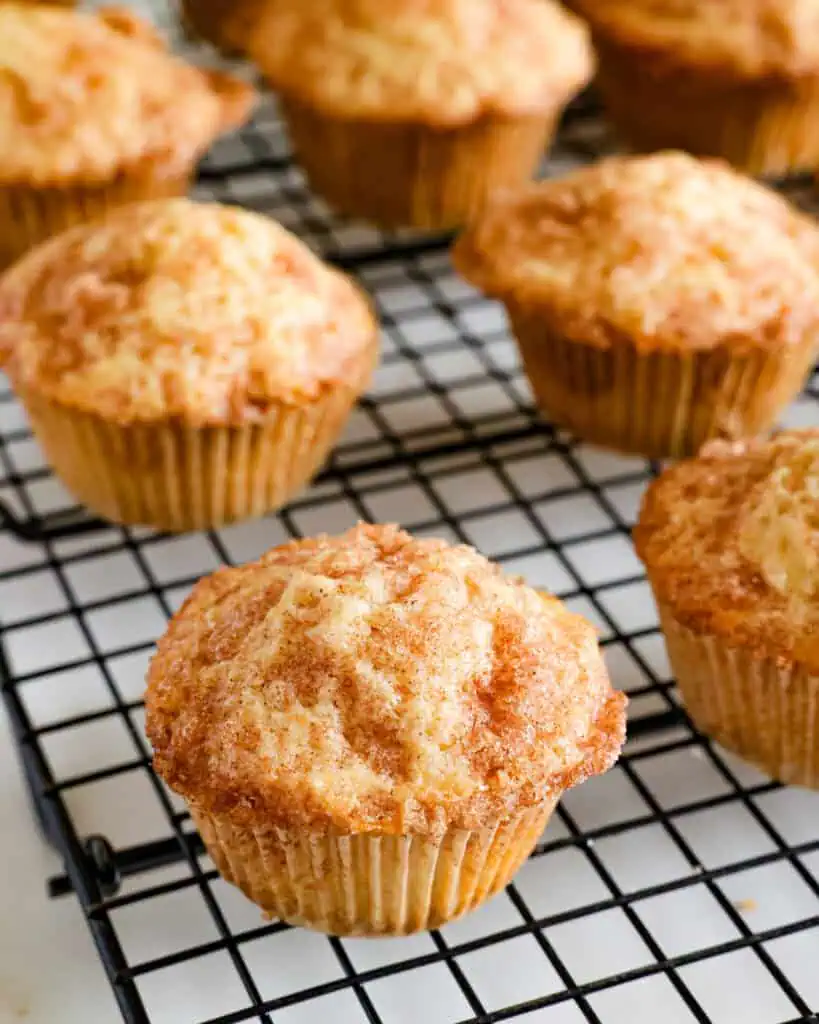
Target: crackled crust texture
(374,682)
(438,62)
(744,38)
(731,543)
(663,252)
(84,98)
(176,309)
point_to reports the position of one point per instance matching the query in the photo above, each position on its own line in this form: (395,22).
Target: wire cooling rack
(682,886)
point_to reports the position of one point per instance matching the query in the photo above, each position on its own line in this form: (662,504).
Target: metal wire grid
(683,886)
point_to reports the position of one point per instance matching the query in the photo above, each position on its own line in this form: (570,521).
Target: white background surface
(49,973)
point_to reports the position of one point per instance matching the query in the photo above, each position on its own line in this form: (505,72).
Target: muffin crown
(176,309)
(664,251)
(754,38)
(731,543)
(84,97)
(374,682)
(446,62)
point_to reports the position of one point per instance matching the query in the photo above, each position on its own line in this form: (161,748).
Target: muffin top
(752,38)
(375,682)
(85,97)
(663,252)
(731,542)
(175,309)
(440,62)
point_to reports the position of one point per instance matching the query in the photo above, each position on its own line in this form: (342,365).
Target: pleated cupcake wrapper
(414,175)
(763,127)
(766,713)
(371,885)
(660,404)
(29,215)
(180,478)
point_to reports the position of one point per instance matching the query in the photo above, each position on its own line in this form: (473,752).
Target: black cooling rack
(683,886)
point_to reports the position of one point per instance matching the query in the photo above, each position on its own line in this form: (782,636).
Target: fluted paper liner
(369,884)
(768,126)
(766,712)
(414,175)
(176,477)
(31,214)
(658,404)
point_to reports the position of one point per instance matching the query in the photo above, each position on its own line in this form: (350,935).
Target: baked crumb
(376,682)
(780,531)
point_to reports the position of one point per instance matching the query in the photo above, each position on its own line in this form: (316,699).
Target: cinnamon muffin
(658,301)
(731,544)
(95,113)
(737,79)
(183,364)
(371,731)
(411,113)
(226,24)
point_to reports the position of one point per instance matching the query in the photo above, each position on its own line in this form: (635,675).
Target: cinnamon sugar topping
(377,682)
(84,97)
(665,251)
(446,62)
(731,543)
(178,309)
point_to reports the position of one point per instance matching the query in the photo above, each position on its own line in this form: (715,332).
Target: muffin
(731,544)
(225,24)
(95,113)
(413,114)
(738,79)
(371,731)
(183,364)
(658,301)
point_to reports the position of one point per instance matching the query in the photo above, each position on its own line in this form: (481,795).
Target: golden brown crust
(754,39)
(179,310)
(730,540)
(373,682)
(661,252)
(442,63)
(85,98)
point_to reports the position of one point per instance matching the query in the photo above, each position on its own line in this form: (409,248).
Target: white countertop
(49,972)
